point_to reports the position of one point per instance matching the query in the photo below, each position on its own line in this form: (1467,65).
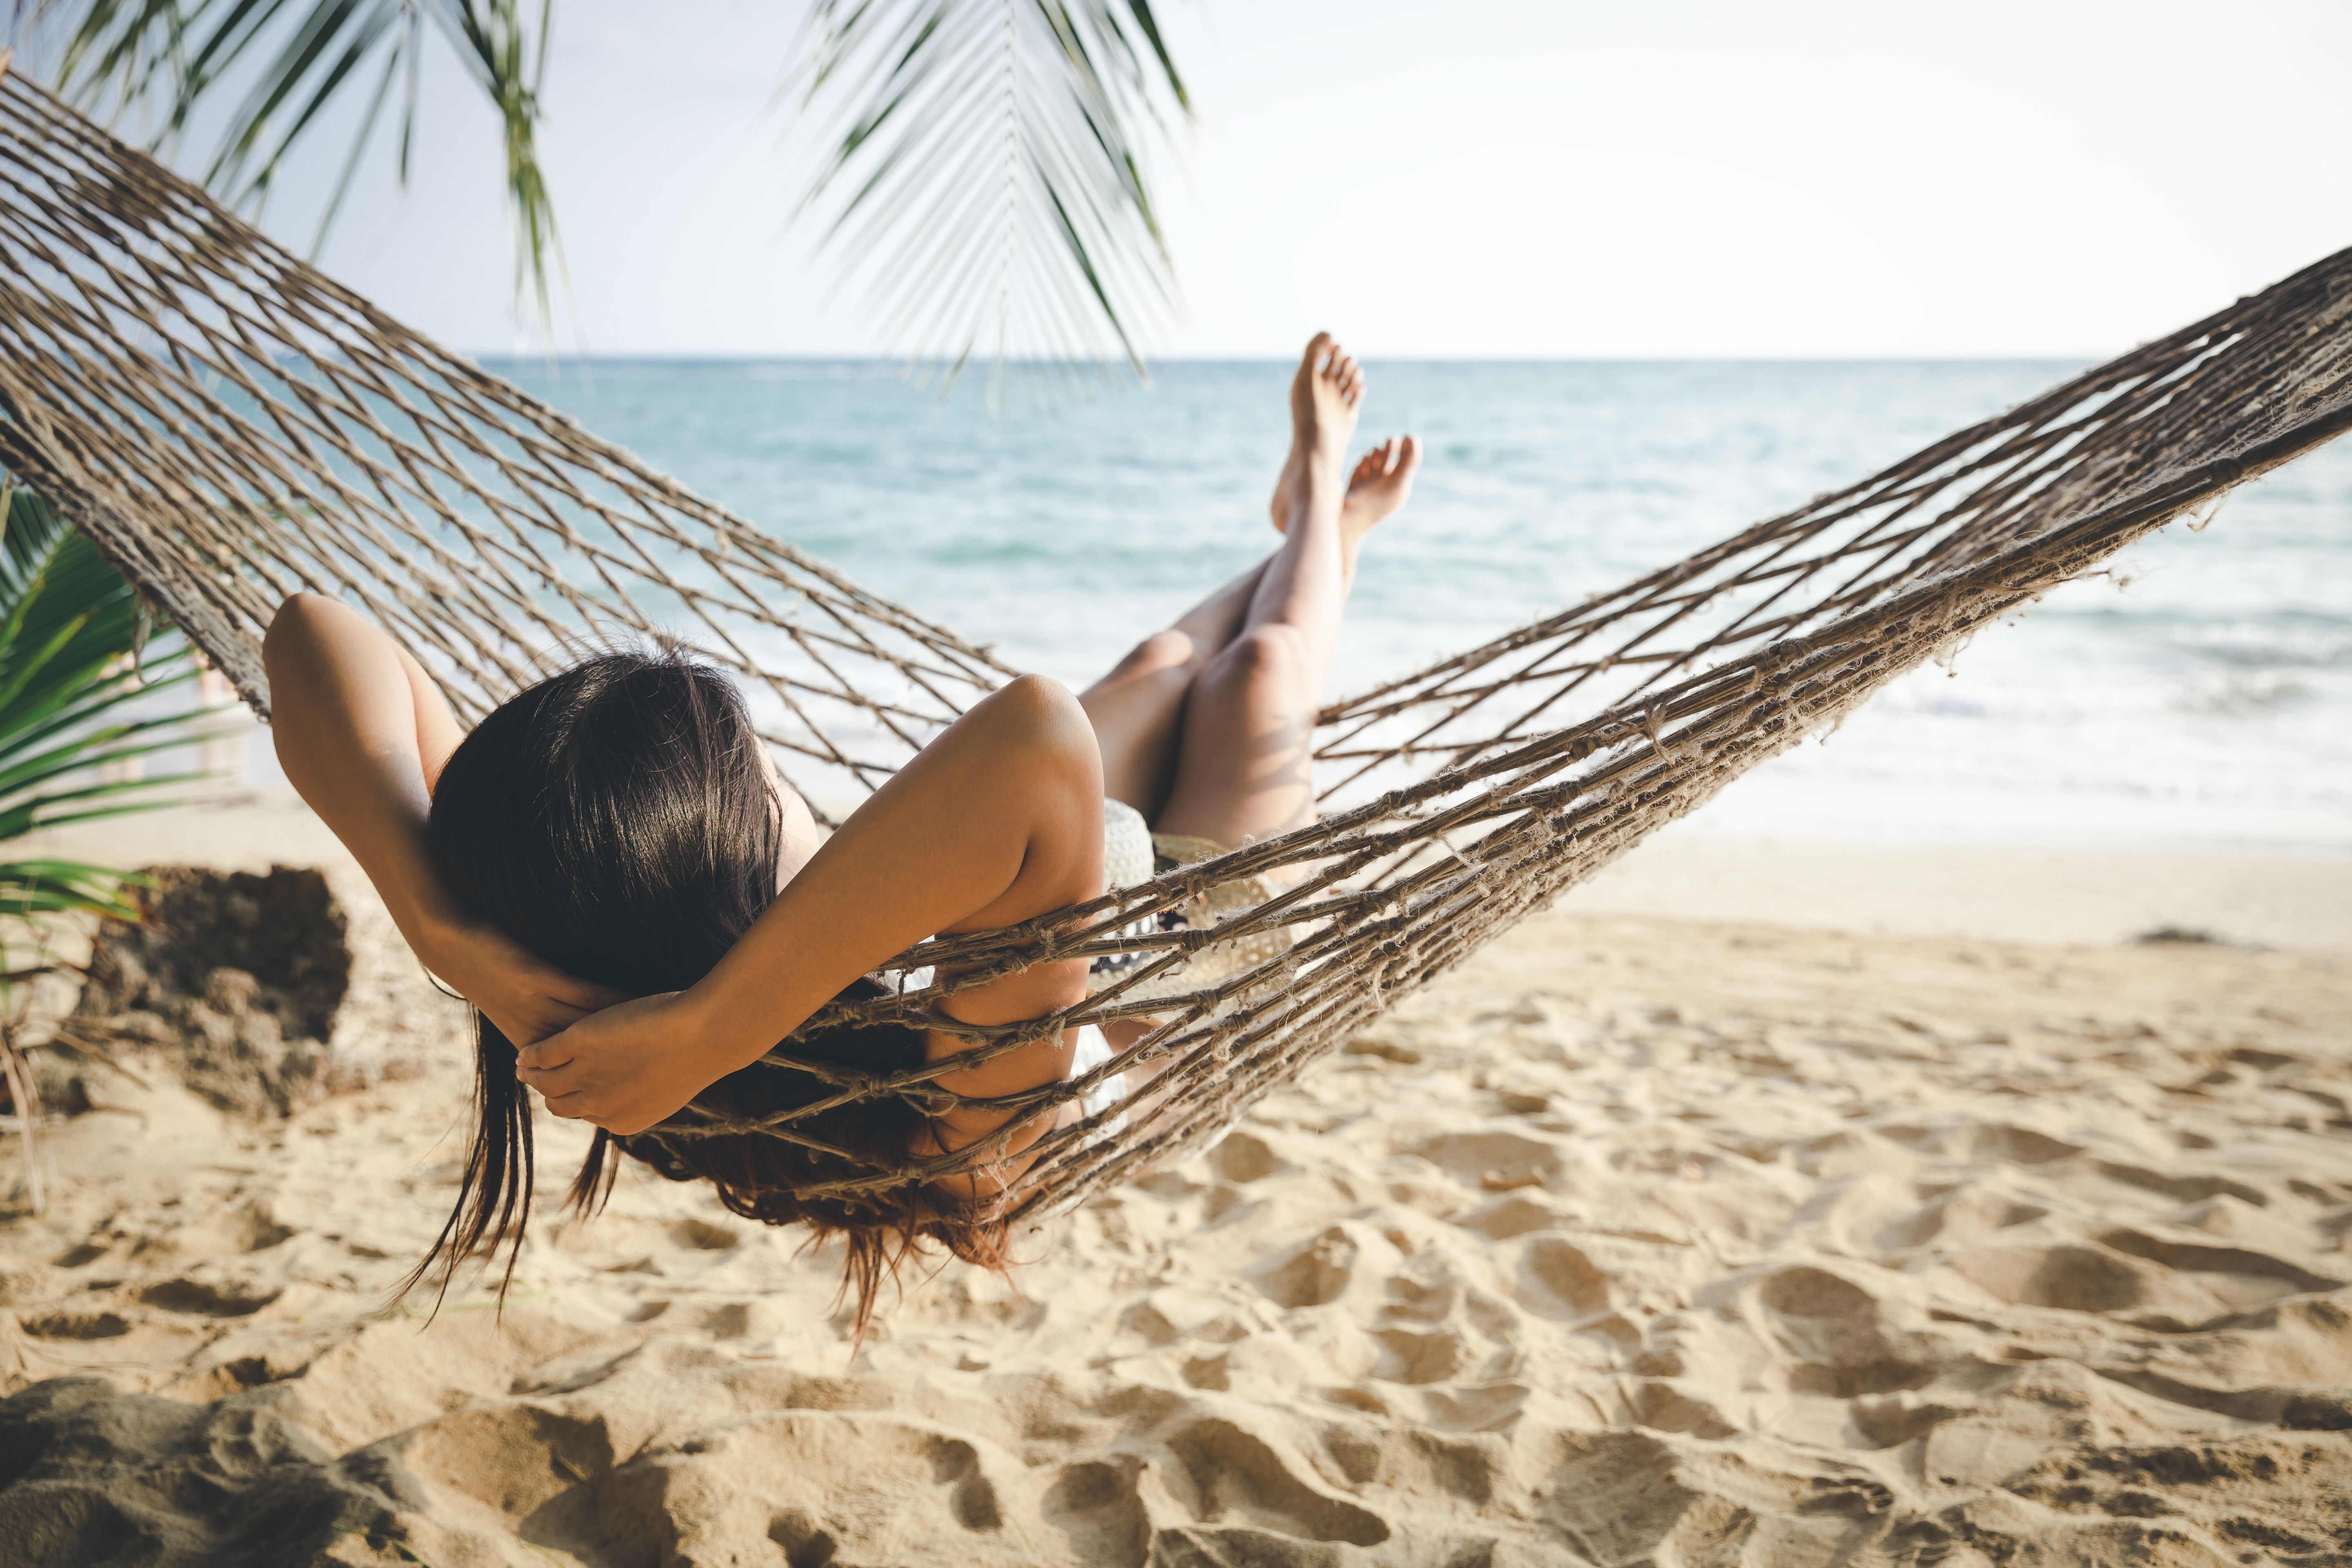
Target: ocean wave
(2223,672)
(2258,692)
(2153,694)
(2269,645)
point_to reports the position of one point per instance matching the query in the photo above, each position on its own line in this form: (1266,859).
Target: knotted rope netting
(231,427)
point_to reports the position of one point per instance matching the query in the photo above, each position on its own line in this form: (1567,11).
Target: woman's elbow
(295,628)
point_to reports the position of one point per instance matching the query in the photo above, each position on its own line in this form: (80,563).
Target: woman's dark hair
(617,821)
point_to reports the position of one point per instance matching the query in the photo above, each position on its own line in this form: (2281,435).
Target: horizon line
(1120,371)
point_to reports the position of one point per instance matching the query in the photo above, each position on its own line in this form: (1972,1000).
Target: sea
(2196,695)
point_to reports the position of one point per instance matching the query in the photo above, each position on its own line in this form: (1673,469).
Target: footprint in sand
(2187,1187)
(2240,1278)
(1510,1216)
(1958,1214)
(2070,1278)
(76,1325)
(1226,1472)
(1097,1508)
(1979,1143)
(1242,1157)
(1837,1336)
(704,1237)
(1416,1356)
(1320,1271)
(1496,1159)
(1558,1279)
(198,1299)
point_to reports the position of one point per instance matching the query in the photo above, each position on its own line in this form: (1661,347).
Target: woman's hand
(526,997)
(625,1067)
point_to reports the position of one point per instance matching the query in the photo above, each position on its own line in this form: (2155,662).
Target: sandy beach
(1764,1203)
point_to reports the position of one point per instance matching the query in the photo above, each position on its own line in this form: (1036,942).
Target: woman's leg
(1137,708)
(1155,696)
(1248,715)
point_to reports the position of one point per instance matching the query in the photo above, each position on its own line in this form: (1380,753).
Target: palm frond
(295,59)
(989,160)
(34,888)
(69,627)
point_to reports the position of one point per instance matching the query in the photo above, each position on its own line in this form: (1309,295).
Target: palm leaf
(70,628)
(32,887)
(297,57)
(985,160)
(989,161)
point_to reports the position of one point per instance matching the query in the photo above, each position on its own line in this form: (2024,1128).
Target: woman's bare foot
(1382,478)
(1382,483)
(1326,374)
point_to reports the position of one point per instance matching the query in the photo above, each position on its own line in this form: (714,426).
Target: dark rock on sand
(233,979)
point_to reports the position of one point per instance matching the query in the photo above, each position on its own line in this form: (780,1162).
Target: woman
(610,870)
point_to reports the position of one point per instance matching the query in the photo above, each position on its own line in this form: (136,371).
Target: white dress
(1126,860)
(1093,1051)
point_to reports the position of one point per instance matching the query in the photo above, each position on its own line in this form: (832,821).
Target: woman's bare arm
(995,822)
(363,734)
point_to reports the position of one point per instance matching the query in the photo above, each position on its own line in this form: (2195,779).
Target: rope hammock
(230,427)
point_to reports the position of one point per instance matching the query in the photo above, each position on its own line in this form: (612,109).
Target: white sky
(1567,180)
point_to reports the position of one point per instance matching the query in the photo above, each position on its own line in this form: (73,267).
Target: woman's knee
(1158,652)
(1038,721)
(1037,705)
(1269,656)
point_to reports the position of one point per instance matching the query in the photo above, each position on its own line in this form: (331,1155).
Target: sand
(1642,1238)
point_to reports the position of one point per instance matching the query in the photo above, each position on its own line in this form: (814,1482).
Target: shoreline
(2033,893)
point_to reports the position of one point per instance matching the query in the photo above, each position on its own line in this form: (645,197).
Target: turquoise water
(2209,700)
